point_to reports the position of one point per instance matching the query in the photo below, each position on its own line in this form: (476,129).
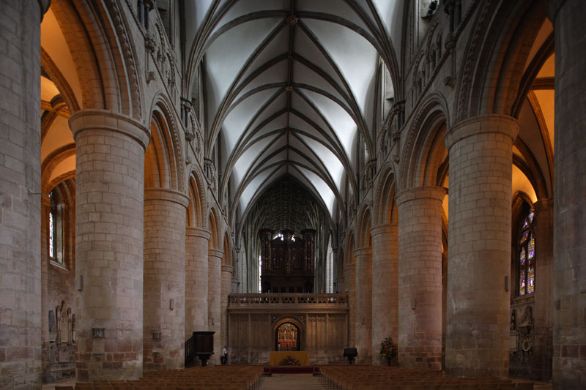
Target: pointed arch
(214,226)
(491,75)
(197,201)
(424,156)
(164,167)
(384,206)
(97,38)
(364,224)
(227,259)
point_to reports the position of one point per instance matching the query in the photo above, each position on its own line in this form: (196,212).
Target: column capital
(45,199)
(109,121)
(382,229)
(425,192)
(362,252)
(215,253)
(166,195)
(492,123)
(197,232)
(543,204)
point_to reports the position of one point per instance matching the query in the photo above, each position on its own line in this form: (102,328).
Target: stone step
(292,382)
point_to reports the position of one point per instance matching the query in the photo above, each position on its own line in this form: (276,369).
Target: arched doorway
(287,337)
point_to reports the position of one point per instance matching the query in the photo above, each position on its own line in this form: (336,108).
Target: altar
(289,358)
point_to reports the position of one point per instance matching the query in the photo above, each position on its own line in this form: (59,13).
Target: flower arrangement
(290,361)
(387,350)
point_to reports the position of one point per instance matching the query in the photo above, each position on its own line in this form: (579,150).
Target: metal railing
(286,298)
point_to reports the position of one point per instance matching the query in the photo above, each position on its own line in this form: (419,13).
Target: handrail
(189,352)
(286,298)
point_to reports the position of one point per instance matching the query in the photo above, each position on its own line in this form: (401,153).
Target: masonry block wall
(479,242)
(109,245)
(226,288)
(196,281)
(385,287)
(420,277)
(20,196)
(363,308)
(214,300)
(569,298)
(164,279)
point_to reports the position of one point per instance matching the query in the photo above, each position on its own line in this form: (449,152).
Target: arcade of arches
(294,175)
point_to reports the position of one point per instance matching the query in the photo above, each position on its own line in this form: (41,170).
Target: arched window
(55,229)
(51,233)
(429,8)
(526,256)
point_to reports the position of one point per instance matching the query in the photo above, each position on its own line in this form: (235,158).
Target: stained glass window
(287,335)
(51,234)
(526,256)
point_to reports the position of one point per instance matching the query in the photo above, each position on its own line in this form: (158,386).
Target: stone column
(45,209)
(109,244)
(420,277)
(226,290)
(543,347)
(385,287)
(363,318)
(569,314)
(350,290)
(196,281)
(214,300)
(479,245)
(164,278)
(20,198)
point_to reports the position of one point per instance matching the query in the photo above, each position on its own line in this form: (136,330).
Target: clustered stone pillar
(214,300)
(20,207)
(420,277)
(479,242)
(385,281)
(569,313)
(196,281)
(164,278)
(109,244)
(363,318)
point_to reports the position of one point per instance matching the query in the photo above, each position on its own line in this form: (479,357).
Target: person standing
(224,357)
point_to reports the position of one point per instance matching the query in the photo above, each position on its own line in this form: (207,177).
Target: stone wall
(20,196)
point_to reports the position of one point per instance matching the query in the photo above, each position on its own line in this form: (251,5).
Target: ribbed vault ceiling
(289,85)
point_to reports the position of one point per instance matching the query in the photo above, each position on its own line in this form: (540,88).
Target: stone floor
(295,382)
(291,382)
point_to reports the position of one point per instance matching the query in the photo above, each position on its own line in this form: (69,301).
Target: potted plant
(387,350)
